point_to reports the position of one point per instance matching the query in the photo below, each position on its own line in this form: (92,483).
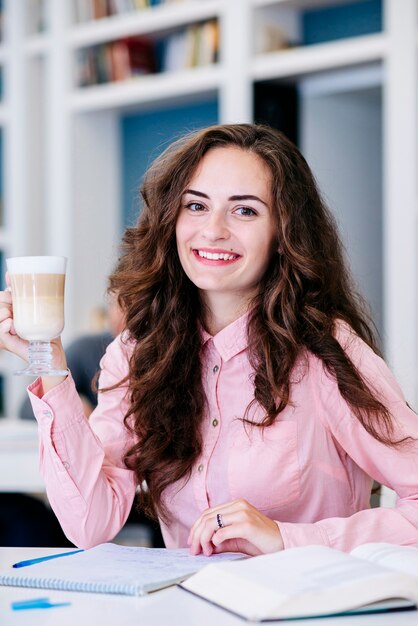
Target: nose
(215,226)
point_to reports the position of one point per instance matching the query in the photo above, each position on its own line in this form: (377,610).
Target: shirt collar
(231,340)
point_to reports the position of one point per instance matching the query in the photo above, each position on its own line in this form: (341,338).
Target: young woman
(246,398)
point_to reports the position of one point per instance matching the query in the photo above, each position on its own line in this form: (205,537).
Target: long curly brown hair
(305,289)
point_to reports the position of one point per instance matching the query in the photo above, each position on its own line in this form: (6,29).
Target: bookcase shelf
(160,20)
(144,91)
(297,4)
(62,168)
(37,45)
(303,61)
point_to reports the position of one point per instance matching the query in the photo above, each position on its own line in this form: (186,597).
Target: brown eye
(245,211)
(195,207)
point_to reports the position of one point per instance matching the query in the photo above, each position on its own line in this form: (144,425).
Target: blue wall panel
(340,21)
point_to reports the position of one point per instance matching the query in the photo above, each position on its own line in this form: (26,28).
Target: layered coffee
(38,305)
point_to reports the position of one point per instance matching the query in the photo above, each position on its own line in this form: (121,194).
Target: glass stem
(40,354)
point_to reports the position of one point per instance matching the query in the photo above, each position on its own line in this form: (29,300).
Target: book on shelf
(116,61)
(195,46)
(110,568)
(139,58)
(88,10)
(312,581)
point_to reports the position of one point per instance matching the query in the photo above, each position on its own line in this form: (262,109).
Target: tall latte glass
(37,284)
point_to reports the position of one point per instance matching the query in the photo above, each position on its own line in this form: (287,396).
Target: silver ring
(219,520)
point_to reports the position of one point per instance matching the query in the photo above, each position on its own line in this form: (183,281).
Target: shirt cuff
(57,405)
(295,535)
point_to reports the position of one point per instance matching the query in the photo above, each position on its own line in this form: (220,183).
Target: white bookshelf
(62,142)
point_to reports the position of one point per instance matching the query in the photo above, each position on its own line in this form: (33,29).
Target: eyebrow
(233,198)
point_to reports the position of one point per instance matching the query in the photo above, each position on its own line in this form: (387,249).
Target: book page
(305,570)
(299,582)
(400,558)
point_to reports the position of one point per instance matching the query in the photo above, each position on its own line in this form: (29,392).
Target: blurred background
(93,90)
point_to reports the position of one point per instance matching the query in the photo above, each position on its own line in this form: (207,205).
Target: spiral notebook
(111,568)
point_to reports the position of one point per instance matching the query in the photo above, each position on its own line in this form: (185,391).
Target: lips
(215,256)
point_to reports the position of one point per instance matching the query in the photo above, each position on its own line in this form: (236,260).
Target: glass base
(39,371)
(40,361)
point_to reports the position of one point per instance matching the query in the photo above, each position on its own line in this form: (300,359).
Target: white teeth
(216,256)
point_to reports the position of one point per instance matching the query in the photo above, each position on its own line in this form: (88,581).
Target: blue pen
(36,603)
(44,558)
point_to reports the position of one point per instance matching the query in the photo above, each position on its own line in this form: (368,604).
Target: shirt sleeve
(81,460)
(393,466)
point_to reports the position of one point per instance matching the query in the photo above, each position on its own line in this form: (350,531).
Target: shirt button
(215,422)
(216,369)
(200,469)
(47,413)
(66,465)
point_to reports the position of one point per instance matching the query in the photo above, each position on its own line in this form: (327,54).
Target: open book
(110,568)
(312,581)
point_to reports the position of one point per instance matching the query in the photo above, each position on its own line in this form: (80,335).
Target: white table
(170,607)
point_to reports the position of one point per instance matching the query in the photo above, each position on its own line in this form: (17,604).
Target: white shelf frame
(4,114)
(4,235)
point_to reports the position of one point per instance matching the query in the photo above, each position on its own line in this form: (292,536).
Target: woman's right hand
(9,340)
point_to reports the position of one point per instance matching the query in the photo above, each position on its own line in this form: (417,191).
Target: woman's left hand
(244,529)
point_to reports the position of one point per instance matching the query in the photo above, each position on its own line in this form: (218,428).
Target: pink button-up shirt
(311,471)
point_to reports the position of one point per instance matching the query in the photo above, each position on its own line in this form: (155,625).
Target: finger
(9,328)
(199,523)
(200,538)
(6,297)
(237,530)
(10,341)
(222,509)
(233,545)
(211,524)
(5,313)
(255,534)
(6,325)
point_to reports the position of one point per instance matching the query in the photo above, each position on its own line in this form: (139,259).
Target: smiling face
(225,230)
